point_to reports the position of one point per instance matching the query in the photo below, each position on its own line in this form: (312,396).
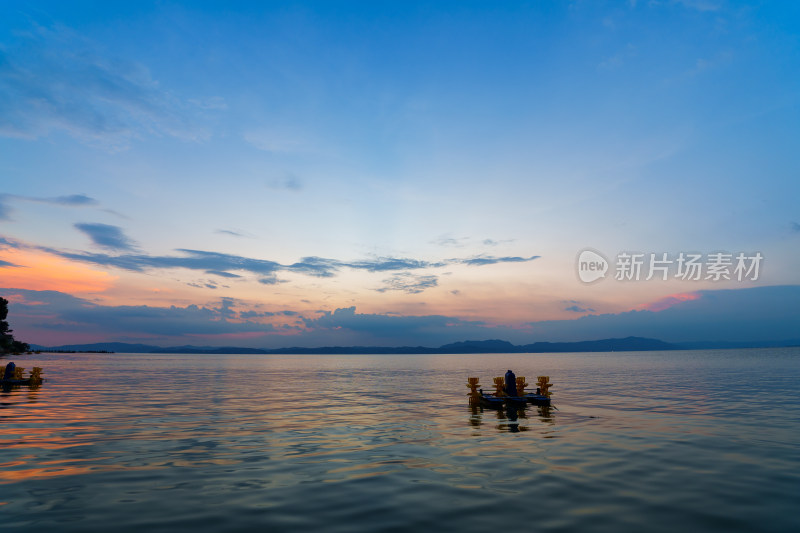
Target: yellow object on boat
(36,375)
(521,384)
(499,386)
(544,385)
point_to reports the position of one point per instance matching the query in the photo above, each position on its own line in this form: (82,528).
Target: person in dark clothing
(9,373)
(511,383)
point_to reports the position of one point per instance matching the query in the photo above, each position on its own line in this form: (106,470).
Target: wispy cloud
(272,141)
(699,5)
(579,309)
(289,182)
(198,259)
(7,264)
(202,285)
(72,200)
(795,226)
(669,301)
(255,314)
(387,325)
(52,79)
(447,240)
(107,236)
(408,283)
(481,260)
(5,210)
(384,264)
(231,266)
(231,233)
(316,266)
(222,274)
(495,242)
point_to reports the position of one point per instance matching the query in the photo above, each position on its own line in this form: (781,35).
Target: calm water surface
(647,441)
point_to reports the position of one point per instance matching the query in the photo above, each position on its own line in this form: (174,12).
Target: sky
(281,174)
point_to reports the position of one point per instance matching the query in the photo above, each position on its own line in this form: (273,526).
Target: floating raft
(499,398)
(14,375)
(499,402)
(17,381)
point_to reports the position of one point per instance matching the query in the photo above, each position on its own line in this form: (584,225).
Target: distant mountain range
(627,344)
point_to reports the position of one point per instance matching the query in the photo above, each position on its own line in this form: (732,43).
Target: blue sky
(408,160)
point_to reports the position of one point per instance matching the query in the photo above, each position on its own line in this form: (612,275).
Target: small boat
(498,399)
(497,402)
(538,399)
(13,375)
(5,382)
(492,401)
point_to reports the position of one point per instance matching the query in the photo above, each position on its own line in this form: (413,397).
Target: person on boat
(9,373)
(511,383)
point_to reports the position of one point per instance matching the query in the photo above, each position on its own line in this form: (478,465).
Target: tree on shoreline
(7,342)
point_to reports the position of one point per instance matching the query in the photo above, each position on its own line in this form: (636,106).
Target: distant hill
(208,349)
(490,346)
(486,346)
(628,344)
(716,345)
(120,347)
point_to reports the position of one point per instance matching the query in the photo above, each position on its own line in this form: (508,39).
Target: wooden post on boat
(18,373)
(474,395)
(521,384)
(544,385)
(499,387)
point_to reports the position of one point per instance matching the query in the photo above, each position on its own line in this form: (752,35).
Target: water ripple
(639,441)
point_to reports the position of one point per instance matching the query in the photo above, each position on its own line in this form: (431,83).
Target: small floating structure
(15,375)
(499,399)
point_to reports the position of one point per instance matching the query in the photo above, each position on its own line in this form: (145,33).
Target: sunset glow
(39,271)
(276,175)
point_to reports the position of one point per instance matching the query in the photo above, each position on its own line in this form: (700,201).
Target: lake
(638,441)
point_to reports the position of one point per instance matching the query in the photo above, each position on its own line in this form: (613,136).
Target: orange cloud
(42,272)
(669,301)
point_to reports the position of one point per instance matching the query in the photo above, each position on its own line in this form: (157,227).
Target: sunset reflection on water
(180,442)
